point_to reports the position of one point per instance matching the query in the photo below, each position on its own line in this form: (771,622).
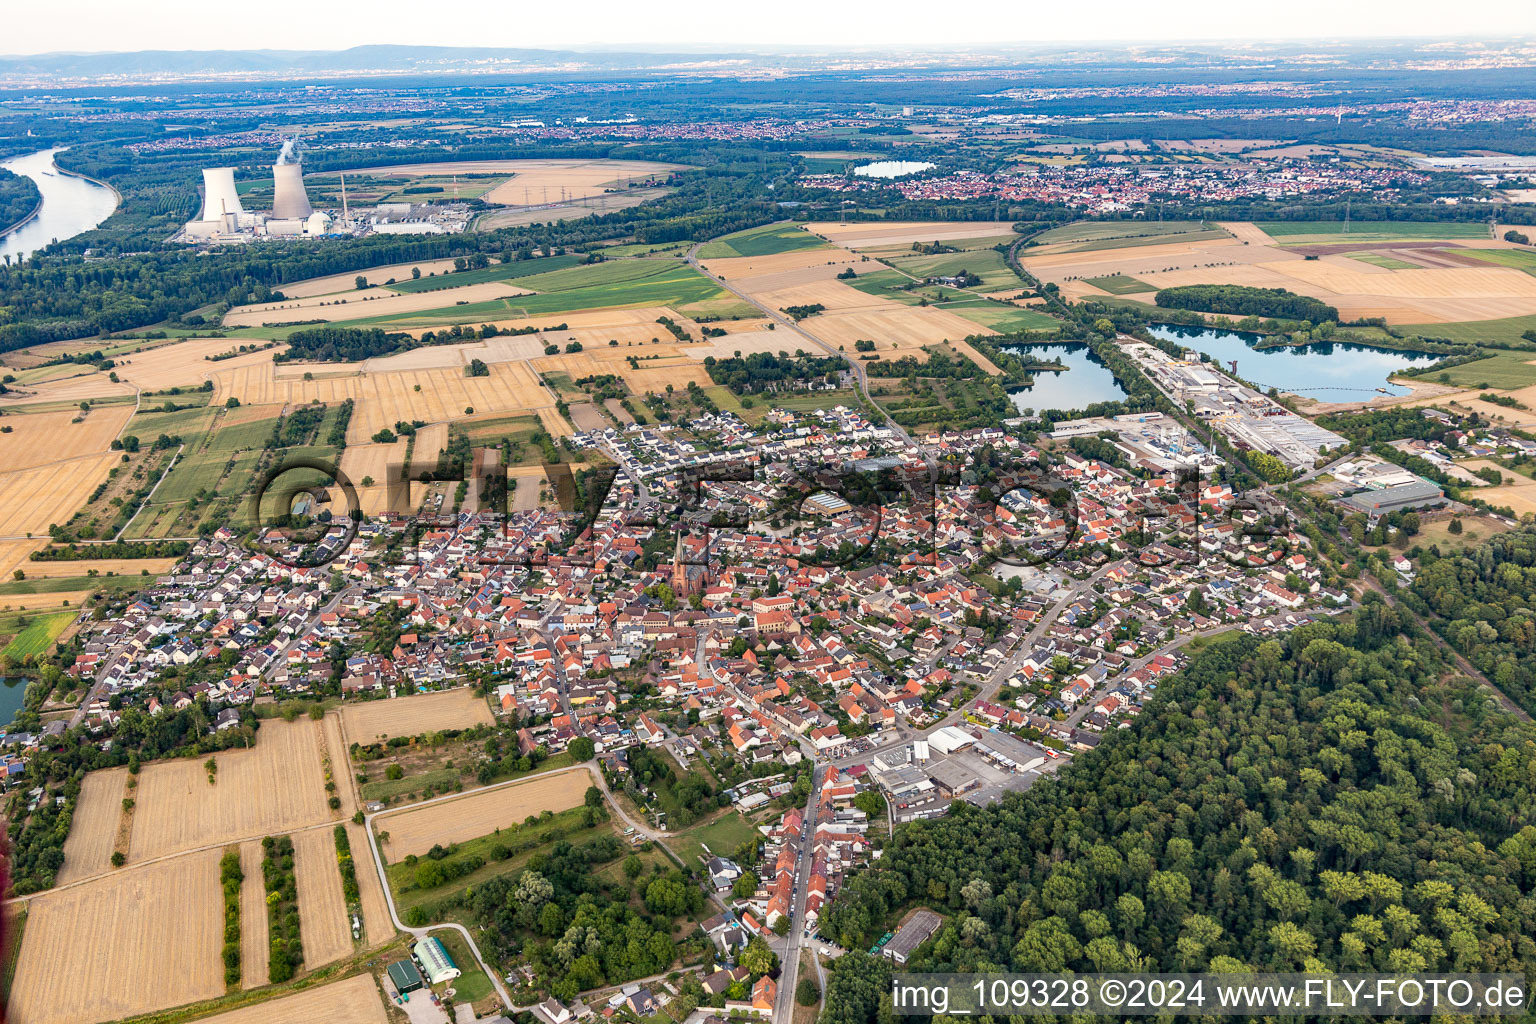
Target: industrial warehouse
(225,220)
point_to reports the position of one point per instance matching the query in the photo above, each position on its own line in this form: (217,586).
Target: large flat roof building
(912,934)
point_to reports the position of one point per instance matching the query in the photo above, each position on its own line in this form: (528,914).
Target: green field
(1002,316)
(471,985)
(191,424)
(241,436)
(1509,331)
(191,474)
(887,284)
(724,836)
(1372,230)
(68,584)
(764,241)
(1098,230)
(1519,259)
(1118,284)
(986,264)
(1500,370)
(659,282)
(38,637)
(518,428)
(726,399)
(496,272)
(1389,262)
(1132,243)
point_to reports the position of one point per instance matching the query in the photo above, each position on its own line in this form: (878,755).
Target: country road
(858,368)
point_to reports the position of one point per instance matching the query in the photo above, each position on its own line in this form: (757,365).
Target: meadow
(1290,231)
(1099,230)
(1509,330)
(768,240)
(1502,370)
(1119,284)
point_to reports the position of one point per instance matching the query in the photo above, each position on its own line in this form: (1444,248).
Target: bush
(807,993)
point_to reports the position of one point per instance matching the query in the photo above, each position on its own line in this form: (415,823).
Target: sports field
(274,786)
(371,720)
(479,813)
(134,941)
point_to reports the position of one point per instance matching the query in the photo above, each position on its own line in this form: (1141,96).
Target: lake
(893,168)
(71,205)
(1086,381)
(1327,370)
(12,690)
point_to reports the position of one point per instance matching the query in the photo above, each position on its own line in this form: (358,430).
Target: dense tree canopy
(1335,799)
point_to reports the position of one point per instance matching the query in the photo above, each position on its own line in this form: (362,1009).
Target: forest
(1335,799)
(18,198)
(343,344)
(1481,602)
(1241,300)
(763,371)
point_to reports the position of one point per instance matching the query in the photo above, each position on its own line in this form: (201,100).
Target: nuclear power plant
(224,219)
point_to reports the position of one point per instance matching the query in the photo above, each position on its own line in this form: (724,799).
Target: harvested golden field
(138,940)
(32,499)
(430,442)
(323,923)
(1247,231)
(39,439)
(93,830)
(275,786)
(735,269)
(120,566)
(185,363)
(38,602)
(492,350)
(372,462)
(67,390)
(374,302)
(370,720)
(354,1001)
(898,330)
(859,236)
(417,829)
(1439,289)
(334,283)
(538,182)
(1518,497)
(831,293)
(657,365)
(377,926)
(384,398)
(255,950)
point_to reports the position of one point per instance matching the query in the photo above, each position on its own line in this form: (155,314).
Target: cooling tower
(219,195)
(289,200)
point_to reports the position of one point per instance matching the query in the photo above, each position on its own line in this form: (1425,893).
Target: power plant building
(224,218)
(289,200)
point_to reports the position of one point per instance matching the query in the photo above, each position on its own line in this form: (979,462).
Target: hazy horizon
(99,26)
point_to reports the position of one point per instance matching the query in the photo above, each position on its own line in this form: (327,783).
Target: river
(71,205)
(1329,371)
